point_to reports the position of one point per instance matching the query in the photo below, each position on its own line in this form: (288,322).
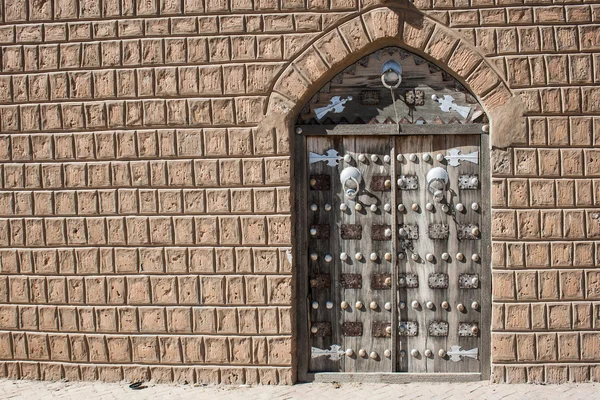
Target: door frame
(300,251)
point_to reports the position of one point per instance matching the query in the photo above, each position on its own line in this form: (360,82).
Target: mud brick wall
(145,212)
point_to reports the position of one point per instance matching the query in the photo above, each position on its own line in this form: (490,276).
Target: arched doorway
(392,190)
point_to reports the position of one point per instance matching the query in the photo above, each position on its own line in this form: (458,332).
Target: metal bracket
(447,104)
(455,157)
(331,156)
(336,104)
(333,353)
(456,353)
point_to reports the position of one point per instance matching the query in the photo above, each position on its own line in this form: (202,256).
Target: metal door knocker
(437,183)
(351,179)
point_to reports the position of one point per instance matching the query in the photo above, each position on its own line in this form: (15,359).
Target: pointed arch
(346,43)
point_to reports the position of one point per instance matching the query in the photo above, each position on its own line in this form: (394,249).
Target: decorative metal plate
(465,182)
(408,182)
(412,231)
(320,281)
(408,328)
(334,352)
(379,329)
(369,97)
(438,231)
(438,281)
(352,328)
(351,281)
(351,232)
(409,281)
(378,183)
(468,281)
(323,329)
(321,182)
(378,281)
(415,97)
(322,231)
(438,328)
(465,231)
(468,329)
(378,232)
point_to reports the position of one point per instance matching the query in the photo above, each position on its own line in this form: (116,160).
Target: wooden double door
(394,269)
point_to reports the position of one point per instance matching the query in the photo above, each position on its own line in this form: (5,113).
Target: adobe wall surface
(145,212)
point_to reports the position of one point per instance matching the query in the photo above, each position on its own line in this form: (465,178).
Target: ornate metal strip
(438,281)
(409,281)
(408,182)
(438,231)
(438,328)
(334,352)
(455,353)
(468,182)
(468,329)
(412,231)
(465,232)
(408,328)
(468,281)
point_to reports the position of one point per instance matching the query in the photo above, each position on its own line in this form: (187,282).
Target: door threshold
(391,377)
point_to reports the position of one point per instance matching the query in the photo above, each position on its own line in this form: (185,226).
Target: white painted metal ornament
(437,183)
(447,104)
(334,352)
(454,158)
(455,353)
(350,177)
(331,156)
(336,105)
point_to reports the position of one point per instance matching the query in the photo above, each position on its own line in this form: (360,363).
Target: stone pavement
(474,390)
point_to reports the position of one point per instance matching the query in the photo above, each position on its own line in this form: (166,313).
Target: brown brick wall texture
(145,208)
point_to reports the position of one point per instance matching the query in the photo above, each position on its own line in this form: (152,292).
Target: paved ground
(463,391)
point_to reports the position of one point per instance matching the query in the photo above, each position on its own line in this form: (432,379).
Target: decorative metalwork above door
(423,94)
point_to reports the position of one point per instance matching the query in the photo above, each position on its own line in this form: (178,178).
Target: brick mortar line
(137,306)
(179,335)
(84,188)
(148,66)
(543,301)
(218,13)
(200,245)
(139,98)
(229,364)
(166,275)
(166,159)
(177,35)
